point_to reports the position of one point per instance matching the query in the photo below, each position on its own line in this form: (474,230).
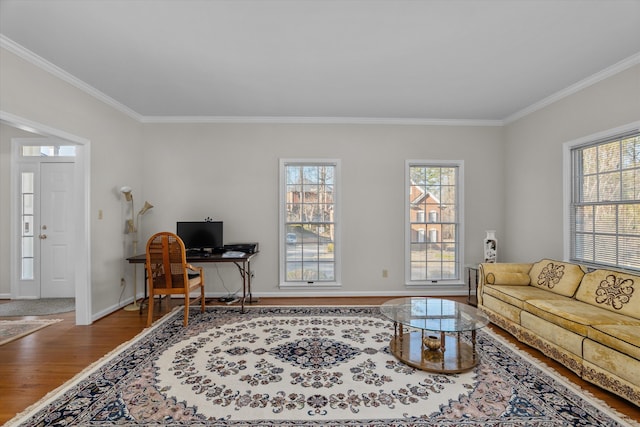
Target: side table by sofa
(472,284)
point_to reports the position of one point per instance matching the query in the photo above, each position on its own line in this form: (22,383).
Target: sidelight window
(27,194)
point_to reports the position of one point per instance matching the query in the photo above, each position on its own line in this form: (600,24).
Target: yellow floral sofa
(588,321)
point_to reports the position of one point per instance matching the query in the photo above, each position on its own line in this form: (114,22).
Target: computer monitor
(200,235)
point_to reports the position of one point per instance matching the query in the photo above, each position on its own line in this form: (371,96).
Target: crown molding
(42,63)
(589,81)
(318,120)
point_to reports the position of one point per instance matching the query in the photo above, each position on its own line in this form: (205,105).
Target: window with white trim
(309,222)
(604,211)
(434,240)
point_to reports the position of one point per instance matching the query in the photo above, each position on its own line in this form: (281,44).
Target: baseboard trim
(306,294)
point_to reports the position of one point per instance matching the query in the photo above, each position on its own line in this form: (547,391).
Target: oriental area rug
(13,329)
(305,366)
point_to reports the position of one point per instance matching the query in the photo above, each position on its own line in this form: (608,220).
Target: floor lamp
(132,227)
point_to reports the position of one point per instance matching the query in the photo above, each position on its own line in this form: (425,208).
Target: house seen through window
(308,206)
(434,227)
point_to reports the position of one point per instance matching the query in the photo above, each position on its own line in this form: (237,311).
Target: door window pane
(49,151)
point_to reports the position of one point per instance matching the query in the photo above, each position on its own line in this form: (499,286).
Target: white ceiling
(483,60)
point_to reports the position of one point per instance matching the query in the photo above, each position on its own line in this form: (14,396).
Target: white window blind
(605,202)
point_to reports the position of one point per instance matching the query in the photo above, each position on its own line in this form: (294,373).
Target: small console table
(242,262)
(472,284)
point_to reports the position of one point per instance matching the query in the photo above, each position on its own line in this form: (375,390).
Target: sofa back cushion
(611,290)
(505,273)
(558,277)
(507,278)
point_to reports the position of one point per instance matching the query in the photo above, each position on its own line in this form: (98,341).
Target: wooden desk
(243,263)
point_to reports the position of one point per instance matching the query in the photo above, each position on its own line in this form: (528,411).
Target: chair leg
(150,310)
(202,299)
(186,308)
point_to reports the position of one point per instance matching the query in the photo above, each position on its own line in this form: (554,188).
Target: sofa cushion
(501,273)
(574,315)
(507,278)
(505,309)
(558,277)
(554,334)
(619,364)
(517,295)
(624,338)
(612,291)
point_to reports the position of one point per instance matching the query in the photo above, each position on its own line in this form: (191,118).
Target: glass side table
(472,284)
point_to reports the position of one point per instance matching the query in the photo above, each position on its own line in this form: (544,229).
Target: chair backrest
(166,261)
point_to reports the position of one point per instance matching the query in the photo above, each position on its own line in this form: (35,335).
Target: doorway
(80,241)
(45,202)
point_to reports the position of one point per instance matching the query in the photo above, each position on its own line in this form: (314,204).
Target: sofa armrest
(502,273)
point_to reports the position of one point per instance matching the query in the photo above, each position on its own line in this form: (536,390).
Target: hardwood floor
(32,366)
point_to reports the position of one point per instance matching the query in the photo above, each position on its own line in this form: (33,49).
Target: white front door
(56,234)
(45,248)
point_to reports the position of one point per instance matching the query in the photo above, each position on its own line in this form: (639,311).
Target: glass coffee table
(428,333)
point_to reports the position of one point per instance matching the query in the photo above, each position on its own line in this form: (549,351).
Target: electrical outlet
(385,273)
(122,281)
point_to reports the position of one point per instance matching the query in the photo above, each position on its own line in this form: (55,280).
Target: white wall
(116,149)
(230,172)
(533,193)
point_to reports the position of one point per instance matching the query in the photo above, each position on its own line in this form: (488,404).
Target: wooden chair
(168,272)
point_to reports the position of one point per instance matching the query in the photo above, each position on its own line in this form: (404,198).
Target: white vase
(490,246)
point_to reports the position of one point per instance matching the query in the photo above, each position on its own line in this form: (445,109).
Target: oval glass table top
(434,314)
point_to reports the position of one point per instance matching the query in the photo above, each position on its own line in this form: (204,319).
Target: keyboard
(233,254)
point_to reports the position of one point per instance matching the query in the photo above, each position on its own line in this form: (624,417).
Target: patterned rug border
(38,324)
(553,373)
(93,367)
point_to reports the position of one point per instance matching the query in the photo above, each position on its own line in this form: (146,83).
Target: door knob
(43,236)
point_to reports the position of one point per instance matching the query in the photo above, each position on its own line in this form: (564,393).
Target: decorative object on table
(290,366)
(132,227)
(490,246)
(11,330)
(431,342)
